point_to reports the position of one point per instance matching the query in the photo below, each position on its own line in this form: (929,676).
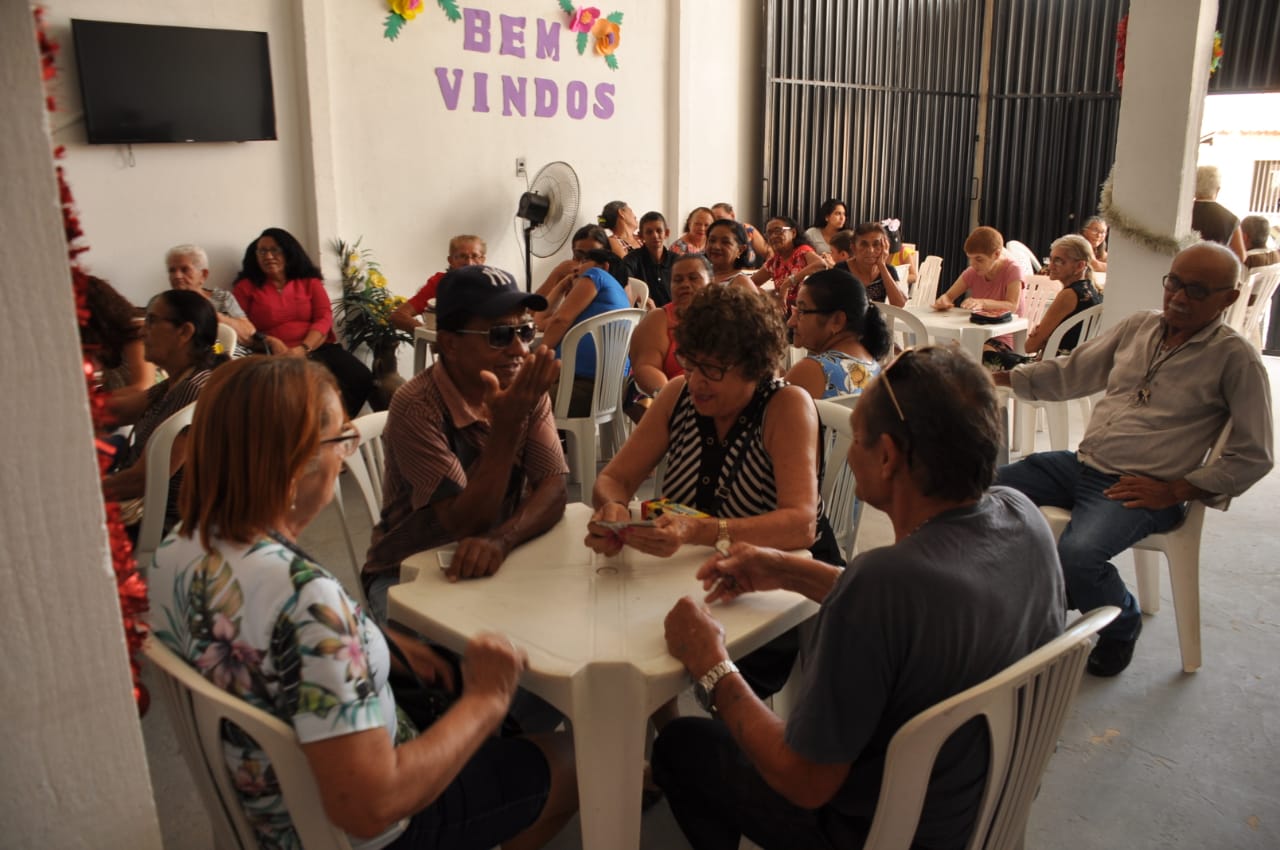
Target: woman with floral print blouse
(233,594)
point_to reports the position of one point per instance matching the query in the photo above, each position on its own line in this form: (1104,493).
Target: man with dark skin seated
(472,453)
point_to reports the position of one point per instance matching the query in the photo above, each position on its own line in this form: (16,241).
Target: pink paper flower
(584,19)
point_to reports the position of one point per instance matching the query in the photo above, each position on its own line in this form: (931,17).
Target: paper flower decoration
(584,18)
(1216,61)
(403,11)
(587,23)
(607,35)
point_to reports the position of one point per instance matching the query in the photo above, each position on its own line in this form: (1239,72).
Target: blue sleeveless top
(609,296)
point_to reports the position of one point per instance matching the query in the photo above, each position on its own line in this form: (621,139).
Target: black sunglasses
(500,336)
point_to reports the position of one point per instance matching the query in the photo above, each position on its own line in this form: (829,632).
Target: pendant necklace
(1142,396)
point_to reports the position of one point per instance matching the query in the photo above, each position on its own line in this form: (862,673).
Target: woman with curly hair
(727,413)
(282,292)
(741,447)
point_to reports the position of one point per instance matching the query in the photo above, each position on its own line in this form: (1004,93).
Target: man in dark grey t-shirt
(971,585)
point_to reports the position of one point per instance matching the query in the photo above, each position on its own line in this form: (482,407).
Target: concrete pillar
(1166,77)
(73,771)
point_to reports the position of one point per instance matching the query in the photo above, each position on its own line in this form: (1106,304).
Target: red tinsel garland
(129,584)
(1122,36)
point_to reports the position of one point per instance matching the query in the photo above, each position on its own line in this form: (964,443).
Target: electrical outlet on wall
(520,172)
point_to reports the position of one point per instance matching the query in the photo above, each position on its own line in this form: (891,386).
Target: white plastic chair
(227,339)
(1024,707)
(1181,549)
(1039,295)
(366,466)
(926,291)
(838,484)
(1025,254)
(908,324)
(155,493)
(1090,323)
(1259,288)
(611,333)
(423,356)
(198,710)
(639,292)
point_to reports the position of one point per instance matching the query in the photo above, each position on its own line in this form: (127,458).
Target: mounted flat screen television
(142,83)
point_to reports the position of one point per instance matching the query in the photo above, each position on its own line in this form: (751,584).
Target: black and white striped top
(729,478)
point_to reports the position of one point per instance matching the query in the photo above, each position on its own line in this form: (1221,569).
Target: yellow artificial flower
(376,278)
(407,9)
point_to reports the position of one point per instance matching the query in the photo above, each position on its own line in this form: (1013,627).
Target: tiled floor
(1152,759)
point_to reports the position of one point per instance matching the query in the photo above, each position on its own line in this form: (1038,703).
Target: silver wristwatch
(704,689)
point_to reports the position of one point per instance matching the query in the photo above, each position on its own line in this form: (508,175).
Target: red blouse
(288,314)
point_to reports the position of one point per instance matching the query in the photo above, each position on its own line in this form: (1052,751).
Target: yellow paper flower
(407,9)
(608,36)
(376,278)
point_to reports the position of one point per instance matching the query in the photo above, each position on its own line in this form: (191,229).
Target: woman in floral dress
(234,594)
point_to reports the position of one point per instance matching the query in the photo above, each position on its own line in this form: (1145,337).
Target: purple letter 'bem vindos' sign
(514,95)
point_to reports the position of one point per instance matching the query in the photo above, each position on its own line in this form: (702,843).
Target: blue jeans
(1100,529)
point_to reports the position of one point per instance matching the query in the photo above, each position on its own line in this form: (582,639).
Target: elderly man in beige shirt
(1173,380)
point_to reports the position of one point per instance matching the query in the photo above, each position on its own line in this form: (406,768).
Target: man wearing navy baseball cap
(471,447)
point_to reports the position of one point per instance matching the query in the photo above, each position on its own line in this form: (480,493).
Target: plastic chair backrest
(1089,321)
(367,463)
(838,484)
(611,333)
(1039,295)
(926,291)
(901,320)
(227,339)
(639,292)
(366,466)
(1024,706)
(155,494)
(198,710)
(1023,253)
(1257,298)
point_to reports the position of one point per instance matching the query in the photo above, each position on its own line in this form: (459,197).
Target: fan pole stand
(528,264)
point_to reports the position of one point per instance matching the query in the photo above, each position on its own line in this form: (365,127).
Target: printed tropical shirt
(269,626)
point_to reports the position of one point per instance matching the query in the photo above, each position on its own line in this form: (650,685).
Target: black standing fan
(549,209)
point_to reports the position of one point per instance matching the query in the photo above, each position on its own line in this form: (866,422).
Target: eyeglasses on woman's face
(777,230)
(346,443)
(270,251)
(501,336)
(711,371)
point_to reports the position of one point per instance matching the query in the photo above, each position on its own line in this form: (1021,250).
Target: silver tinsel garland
(1121,222)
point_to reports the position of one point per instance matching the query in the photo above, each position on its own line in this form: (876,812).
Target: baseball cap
(485,291)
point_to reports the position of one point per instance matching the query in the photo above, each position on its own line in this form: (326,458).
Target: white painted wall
(219,195)
(369,148)
(73,772)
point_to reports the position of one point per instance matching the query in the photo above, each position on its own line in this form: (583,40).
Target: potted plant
(364,315)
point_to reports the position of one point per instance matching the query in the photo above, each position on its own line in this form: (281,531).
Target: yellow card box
(654,508)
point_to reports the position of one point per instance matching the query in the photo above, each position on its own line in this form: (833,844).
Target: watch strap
(713,676)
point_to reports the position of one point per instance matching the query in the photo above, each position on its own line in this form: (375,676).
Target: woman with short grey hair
(188,268)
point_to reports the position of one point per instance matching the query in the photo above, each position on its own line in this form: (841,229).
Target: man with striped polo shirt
(471,447)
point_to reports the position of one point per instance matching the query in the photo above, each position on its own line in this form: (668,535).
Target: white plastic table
(955,324)
(593,630)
